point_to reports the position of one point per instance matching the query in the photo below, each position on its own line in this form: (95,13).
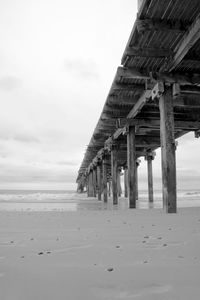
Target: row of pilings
(103,171)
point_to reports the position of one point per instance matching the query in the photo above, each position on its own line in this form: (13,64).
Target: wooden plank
(168,152)
(187,42)
(131,161)
(114,174)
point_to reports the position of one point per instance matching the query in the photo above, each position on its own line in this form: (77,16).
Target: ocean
(55,200)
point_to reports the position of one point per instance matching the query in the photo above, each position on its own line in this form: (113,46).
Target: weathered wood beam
(185,125)
(122,100)
(136,73)
(141,102)
(148,52)
(187,42)
(127,87)
(176,26)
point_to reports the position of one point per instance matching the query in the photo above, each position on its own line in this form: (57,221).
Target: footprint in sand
(75,247)
(111,292)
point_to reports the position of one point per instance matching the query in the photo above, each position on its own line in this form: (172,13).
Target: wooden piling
(125,183)
(119,188)
(149,158)
(99,182)
(105,188)
(90,185)
(136,177)
(114,174)
(168,152)
(94,178)
(131,160)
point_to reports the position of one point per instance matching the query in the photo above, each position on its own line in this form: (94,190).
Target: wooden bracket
(157,91)
(176,90)
(150,155)
(197,133)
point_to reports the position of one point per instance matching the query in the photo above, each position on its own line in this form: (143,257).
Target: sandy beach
(100,254)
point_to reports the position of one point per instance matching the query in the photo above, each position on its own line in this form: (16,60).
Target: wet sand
(100,254)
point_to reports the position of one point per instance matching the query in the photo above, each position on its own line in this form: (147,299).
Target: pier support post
(149,158)
(114,173)
(109,186)
(168,151)
(119,188)
(131,159)
(94,177)
(125,182)
(99,181)
(105,188)
(90,185)
(138,161)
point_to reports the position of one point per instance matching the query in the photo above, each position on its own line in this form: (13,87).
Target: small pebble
(117,246)
(22,256)
(146,237)
(159,238)
(11,242)
(164,245)
(110,269)
(32,239)
(40,253)
(48,252)
(169,229)
(144,241)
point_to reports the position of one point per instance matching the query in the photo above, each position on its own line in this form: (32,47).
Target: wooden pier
(154,99)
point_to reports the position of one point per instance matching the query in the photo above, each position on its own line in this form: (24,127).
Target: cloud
(9,83)
(25,138)
(66,163)
(18,137)
(85,69)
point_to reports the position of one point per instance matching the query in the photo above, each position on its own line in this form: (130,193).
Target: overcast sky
(57,62)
